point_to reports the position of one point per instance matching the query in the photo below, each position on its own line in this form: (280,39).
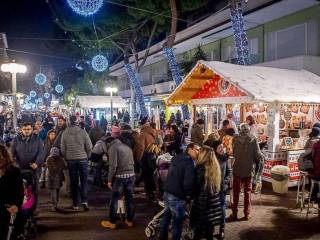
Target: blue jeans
(174,208)
(119,186)
(78,169)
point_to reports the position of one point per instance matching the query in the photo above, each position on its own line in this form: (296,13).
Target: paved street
(273,219)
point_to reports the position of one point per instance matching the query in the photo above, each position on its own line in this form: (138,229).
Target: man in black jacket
(178,190)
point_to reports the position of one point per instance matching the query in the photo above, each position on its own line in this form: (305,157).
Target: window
(296,40)
(291,41)
(145,77)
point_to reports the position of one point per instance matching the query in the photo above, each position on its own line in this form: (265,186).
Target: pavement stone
(274,217)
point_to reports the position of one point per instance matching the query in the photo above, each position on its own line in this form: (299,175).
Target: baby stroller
(160,175)
(152,231)
(29,205)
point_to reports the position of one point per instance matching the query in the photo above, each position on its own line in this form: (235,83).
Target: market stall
(99,105)
(284,103)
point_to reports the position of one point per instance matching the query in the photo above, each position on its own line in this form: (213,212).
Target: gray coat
(246,154)
(75,144)
(120,159)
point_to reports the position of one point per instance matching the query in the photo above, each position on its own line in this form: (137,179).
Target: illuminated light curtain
(135,82)
(239,33)
(175,71)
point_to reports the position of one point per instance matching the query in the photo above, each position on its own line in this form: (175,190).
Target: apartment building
(283,34)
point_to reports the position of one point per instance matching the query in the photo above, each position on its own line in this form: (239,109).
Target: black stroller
(29,205)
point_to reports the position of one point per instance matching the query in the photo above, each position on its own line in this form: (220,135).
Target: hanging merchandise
(99,63)
(28,98)
(59,88)
(40,78)
(240,37)
(33,93)
(39,100)
(135,82)
(175,71)
(46,95)
(85,7)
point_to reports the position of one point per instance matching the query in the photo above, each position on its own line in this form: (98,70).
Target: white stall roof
(259,83)
(271,84)
(100,102)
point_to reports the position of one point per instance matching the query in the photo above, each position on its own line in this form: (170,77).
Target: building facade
(281,34)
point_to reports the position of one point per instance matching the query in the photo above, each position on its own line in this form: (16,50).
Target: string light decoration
(40,78)
(59,88)
(99,63)
(85,7)
(175,71)
(135,82)
(46,95)
(33,93)
(240,36)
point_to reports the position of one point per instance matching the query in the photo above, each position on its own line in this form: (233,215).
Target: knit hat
(244,129)
(315,132)
(54,152)
(126,128)
(317,124)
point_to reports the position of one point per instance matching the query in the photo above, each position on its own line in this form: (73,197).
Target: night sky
(21,19)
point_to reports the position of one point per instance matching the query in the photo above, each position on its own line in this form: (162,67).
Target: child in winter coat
(56,164)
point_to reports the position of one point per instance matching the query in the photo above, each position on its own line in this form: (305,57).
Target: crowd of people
(199,176)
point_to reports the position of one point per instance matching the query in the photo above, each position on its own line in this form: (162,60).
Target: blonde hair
(212,175)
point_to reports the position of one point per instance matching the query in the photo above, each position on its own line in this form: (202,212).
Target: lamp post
(14,68)
(111,90)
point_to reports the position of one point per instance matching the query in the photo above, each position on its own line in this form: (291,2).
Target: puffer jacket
(28,150)
(197,134)
(146,138)
(246,154)
(206,208)
(75,144)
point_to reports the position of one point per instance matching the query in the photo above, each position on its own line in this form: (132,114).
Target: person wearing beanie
(56,165)
(247,155)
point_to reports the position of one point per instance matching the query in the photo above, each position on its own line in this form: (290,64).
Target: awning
(100,102)
(219,81)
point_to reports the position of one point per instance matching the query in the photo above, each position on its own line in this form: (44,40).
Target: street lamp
(111,90)
(14,68)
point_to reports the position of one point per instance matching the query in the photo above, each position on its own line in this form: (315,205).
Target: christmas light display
(99,63)
(85,7)
(240,37)
(135,82)
(46,95)
(59,88)
(40,78)
(33,93)
(175,71)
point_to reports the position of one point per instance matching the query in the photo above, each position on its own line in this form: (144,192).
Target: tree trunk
(168,52)
(239,33)
(134,79)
